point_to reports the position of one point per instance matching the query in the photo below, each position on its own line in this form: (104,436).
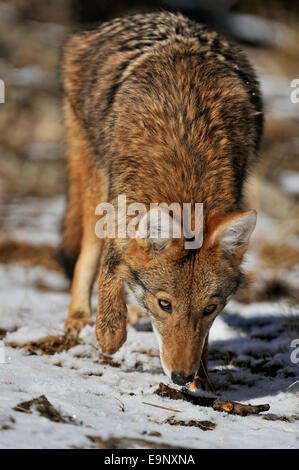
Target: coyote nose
(181,379)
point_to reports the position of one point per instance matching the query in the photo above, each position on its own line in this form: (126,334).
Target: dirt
(44,408)
(148,352)
(5,427)
(273,289)
(29,255)
(225,357)
(99,374)
(108,361)
(50,345)
(8,425)
(204,425)
(42,287)
(263,366)
(268,370)
(2,333)
(152,434)
(285,419)
(56,345)
(282,256)
(127,443)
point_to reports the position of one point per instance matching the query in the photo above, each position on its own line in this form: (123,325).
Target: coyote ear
(156,229)
(231,231)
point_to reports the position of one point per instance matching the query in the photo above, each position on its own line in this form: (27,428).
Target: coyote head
(183,290)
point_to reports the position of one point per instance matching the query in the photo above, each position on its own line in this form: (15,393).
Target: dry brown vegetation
(29,255)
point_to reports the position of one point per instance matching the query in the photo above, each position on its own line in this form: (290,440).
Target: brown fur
(161,110)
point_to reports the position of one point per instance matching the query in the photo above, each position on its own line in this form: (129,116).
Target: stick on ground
(217,404)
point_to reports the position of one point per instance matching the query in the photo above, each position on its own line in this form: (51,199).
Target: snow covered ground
(250,361)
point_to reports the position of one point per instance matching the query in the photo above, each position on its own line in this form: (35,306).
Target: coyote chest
(160,111)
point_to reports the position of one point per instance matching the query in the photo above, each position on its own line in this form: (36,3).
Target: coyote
(161,110)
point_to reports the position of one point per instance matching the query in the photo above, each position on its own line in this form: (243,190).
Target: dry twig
(217,404)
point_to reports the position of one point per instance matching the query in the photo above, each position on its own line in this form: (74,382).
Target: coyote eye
(209,309)
(165,305)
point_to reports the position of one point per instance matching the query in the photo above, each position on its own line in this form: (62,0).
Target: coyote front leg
(88,262)
(111,329)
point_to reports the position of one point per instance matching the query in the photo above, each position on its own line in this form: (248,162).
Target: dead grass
(44,408)
(148,352)
(279,256)
(58,344)
(29,255)
(273,289)
(127,443)
(203,425)
(50,345)
(107,361)
(285,419)
(2,333)
(42,287)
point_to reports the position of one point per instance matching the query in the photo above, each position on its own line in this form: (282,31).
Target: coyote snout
(181,351)
(162,111)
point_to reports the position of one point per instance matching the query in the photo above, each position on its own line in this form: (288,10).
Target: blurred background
(32,169)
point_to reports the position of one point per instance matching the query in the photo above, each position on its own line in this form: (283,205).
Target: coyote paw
(76,322)
(111,339)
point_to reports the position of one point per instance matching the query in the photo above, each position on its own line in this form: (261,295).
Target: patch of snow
(276,91)
(290,182)
(36,221)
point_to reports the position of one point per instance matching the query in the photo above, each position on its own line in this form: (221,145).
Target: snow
(264,31)
(34,220)
(107,401)
(276,91)
(290,182)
